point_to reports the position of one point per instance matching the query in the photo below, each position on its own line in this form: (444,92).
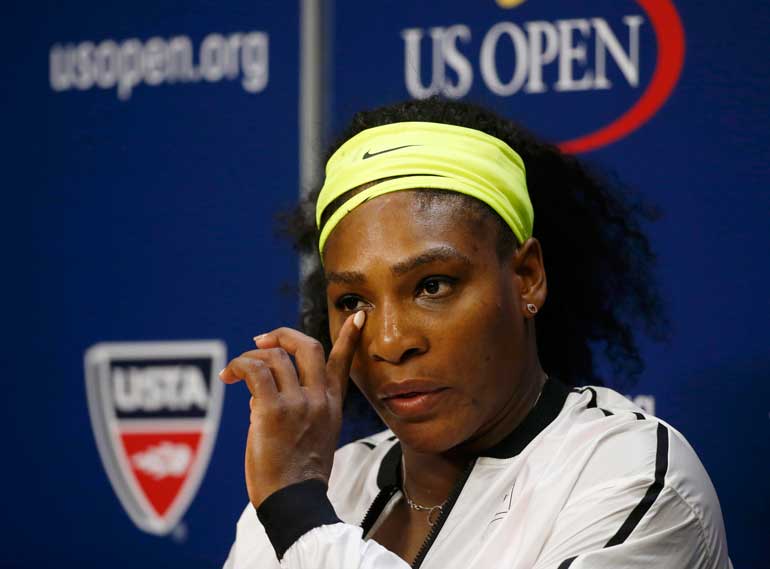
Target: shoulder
(617,439)
(616,453)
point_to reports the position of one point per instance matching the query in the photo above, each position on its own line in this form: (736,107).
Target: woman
(432,297)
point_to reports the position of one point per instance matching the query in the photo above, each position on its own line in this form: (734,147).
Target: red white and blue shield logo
(155,409)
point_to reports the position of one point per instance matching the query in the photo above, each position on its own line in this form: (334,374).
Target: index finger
(341,356)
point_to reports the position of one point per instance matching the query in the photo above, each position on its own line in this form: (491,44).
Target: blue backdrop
(150,145)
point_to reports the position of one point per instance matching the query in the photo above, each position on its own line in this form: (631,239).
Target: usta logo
(155,410)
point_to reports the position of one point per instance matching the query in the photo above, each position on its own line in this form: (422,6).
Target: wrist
(290,512)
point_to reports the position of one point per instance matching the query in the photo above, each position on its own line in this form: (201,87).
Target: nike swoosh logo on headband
(368,154)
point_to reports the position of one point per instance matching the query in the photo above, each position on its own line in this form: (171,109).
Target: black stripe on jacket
(644,505)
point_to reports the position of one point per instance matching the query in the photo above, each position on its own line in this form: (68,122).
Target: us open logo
(536,56)
(155,409)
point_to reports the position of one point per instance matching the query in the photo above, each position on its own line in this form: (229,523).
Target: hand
(296,413)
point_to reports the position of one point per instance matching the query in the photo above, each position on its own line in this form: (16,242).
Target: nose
(394,335)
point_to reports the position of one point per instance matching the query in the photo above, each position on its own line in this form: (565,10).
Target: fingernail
(259,337)
(359,318)
(221,372)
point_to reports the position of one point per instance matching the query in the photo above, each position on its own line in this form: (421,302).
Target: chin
(427,437)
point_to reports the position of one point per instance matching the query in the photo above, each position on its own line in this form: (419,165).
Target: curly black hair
(601,288)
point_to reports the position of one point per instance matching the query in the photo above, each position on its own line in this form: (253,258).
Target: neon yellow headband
(428,155)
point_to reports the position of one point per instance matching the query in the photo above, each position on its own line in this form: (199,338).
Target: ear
(530,271)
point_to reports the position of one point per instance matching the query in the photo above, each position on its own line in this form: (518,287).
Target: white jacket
(586,481)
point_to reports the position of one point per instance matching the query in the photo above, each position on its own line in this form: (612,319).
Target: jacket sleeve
(251,549)
(339,546)
(667,519)
(305,533)
(596,534)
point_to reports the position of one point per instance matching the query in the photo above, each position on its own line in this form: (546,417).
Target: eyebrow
(442,253)
(346,277)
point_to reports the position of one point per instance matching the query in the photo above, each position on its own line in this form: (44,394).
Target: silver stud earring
(531,308)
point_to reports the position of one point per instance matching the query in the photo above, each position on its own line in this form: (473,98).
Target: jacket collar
(542,414)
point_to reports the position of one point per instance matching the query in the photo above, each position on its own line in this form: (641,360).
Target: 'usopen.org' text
(125,65)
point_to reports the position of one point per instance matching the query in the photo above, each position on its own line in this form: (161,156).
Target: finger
(228,376)
(256,374)
(282,368)
(308,353)
(280,365)
(341,356)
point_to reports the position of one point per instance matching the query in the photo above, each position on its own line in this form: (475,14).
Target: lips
(411,398)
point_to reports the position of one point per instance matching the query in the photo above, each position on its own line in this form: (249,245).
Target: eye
(350,303)
(435,287)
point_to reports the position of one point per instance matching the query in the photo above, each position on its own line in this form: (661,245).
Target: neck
(430,478)
(513,413)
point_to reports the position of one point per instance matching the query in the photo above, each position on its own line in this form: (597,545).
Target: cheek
(481,320)
(489,341)
(357,369)
(358,376)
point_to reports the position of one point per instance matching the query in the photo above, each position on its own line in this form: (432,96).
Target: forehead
(402,224)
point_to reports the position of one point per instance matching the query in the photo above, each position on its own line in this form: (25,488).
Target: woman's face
(446,343)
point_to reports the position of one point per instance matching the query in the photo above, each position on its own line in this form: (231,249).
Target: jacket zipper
(377,506)
(436,528)
(384,496)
